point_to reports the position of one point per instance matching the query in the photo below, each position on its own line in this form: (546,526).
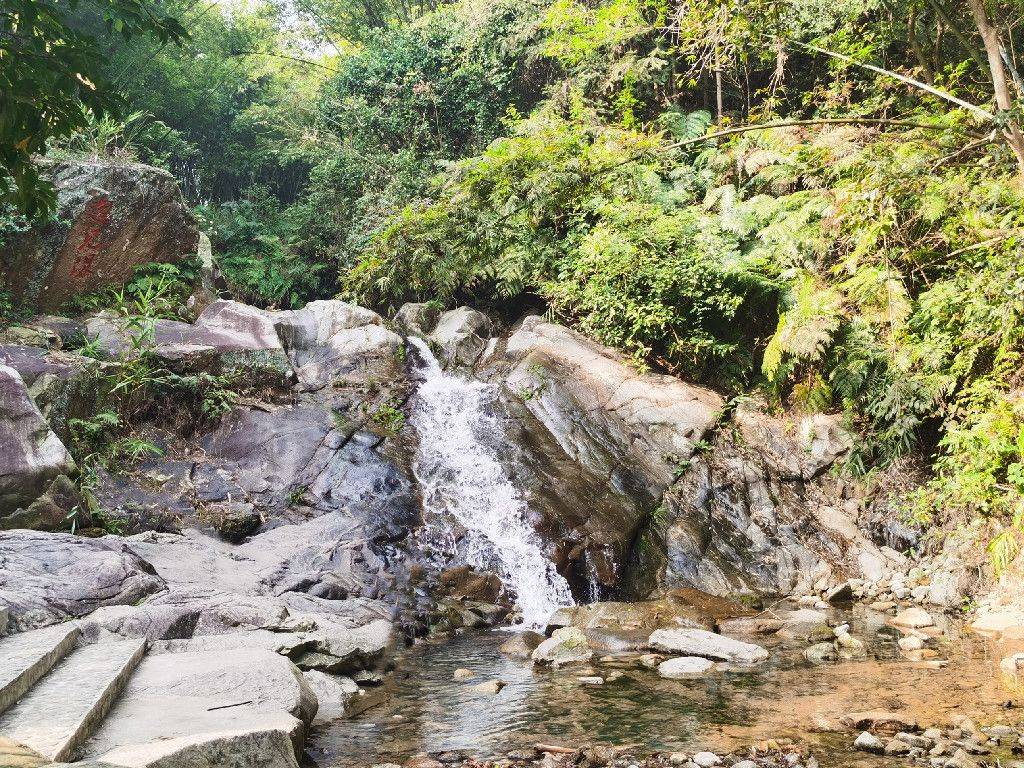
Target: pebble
(463,674)
(590,680)
(706,759)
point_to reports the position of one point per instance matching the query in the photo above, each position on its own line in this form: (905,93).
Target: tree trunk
(993,50)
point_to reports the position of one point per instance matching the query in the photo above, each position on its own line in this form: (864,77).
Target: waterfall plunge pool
(427,711)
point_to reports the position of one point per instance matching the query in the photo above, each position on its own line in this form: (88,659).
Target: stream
(427,711)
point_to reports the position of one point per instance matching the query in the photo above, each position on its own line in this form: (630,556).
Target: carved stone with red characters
(111,217)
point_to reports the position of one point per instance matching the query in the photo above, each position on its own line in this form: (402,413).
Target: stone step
(26,657)
(64,709)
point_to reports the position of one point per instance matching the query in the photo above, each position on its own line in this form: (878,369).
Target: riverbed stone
(914,618)
(565,647)
(521,645)
(697,642)
(867,742)
(685,667)
(820,653)
(489,687)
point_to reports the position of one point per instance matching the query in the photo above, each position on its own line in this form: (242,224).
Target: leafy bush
(249,239)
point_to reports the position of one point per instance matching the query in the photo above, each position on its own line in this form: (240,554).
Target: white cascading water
(462,477)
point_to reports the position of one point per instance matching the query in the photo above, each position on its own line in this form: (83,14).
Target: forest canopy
(820,201)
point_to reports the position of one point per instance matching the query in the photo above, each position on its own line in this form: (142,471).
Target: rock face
(759,512)
(47,578)
(32,457)
(632,428)
(111,217)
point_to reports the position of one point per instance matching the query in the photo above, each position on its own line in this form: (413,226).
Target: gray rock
(566,646)
(685,667)
(333,693)
(462,335)
(706,759)
(521,645)
(31,455)
(708,645)
(419,319)
(59,713)
(604,414)
(819,653)
(913,618)
(46,578)
(866,742)
(334,342)
(111,217)
(841,593)
(208,709)
(489,687)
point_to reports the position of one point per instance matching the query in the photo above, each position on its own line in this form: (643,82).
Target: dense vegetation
(818,200)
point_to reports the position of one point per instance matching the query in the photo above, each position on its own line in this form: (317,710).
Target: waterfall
(462,477)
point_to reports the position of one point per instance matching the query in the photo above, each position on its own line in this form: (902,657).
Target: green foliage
(250,240)
(389,418)
(589,217)
(50,75)
(406,103)
(153,291)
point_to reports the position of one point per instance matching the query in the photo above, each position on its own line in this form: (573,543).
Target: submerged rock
(566,646)
(914,618)
(522,644)
(708,645)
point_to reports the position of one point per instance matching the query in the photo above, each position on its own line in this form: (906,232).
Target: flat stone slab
(198,704)
(26,657)
(62,710)
(708,645)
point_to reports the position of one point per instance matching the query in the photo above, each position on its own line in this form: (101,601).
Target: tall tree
(49,80)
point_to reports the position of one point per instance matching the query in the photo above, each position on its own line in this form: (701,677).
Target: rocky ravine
(290,536)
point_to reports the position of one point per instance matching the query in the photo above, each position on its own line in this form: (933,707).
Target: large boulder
(331,341)
(111,217)
(31,455)
(64,385)
(46,578)
(461,335)
(228,337)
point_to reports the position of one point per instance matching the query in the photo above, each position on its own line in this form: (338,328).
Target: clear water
(463,479)
(430,712)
